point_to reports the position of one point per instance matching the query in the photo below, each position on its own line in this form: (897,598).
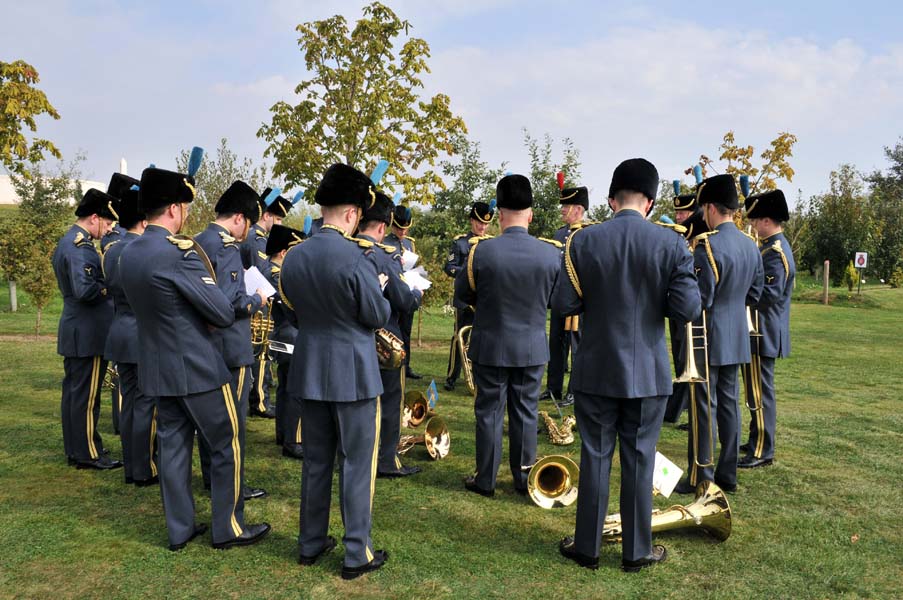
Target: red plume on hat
(560,177)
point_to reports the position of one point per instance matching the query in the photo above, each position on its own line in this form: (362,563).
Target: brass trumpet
(435,437)
(262,324)
(553,481)
(710,511)
(467,367)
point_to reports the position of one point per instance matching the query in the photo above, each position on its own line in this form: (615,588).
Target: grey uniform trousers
(725,428)
(137,426)
(80,406)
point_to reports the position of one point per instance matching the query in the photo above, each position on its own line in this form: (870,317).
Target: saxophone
(559,435)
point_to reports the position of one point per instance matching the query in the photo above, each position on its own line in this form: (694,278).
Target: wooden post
(13,299)
(419,327)
(826,279)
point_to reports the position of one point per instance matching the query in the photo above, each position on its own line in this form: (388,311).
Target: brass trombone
(697,339)
(463,347)
(553,481)
(435,437)
(752,373)
(709,511)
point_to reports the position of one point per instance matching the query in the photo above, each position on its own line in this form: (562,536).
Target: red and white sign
(862,260)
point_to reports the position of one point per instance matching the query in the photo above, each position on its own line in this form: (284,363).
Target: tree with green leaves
(886,208)
(20,103)
(214,177)
(362,103)
(543,170)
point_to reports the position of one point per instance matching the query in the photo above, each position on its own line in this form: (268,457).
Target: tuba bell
(416,409)
(710,511)
(435,437)
(466,365)
(553,481)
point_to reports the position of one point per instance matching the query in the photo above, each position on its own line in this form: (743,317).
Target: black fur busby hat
(685,202)
(635,175)
(95,202)
(160,188)
(240,198)
(514,192)
(575,195)
(695,225)
(279,206)
(482,212)
(342,184)
(119,184)
(771,204)
(129,214)
(282,237)
(402,216)
(718,189)
(381,210)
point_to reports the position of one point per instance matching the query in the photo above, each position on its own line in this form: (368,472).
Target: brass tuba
(553,481)
(463,347)
(710,511)
(435,437)
(416,409)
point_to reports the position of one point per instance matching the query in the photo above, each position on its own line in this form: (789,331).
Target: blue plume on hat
(407,213)
(308,222)
(396,198)
(135,188)
(676,184)
(507,173)
(744,185)
(297,197)
(152,166)
(271,197)
(697,173)
(379,170)
(194,160)
(666,219)
(492,204)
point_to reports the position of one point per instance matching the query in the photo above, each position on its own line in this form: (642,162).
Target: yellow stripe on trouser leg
(367,551)
(153,438)
(298,432)
(236,452)
(261,407)
(92,393)
(241,382)
(760,416)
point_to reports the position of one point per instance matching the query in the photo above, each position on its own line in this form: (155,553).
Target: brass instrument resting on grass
(552,481)
(559,435)
(435,437)
(389,349)
(463,347)
(262,325)
(416,409)
(691,375)
(710,511)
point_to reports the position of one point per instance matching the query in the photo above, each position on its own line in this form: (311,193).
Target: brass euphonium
(710,511)
(435,437)
(553,481)
(463,347)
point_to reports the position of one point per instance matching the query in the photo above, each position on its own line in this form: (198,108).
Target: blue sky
(663,80)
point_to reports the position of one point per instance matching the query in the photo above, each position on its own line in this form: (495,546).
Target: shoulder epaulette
(227,239)
(387,248)
(703,236)
(360,242)
(460,235)
(569,266)
(777,247)
(555,243)
(275,269)
(474,240)
(181,242)
(111,244)
(708,252)
(752,237)
(81,240)
(260,233)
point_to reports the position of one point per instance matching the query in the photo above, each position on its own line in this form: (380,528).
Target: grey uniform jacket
(116,234)
(774,304)
(457,259)
(122,341)
(87,309)
(175,300)
(729,269)
(401,298)
(222,250)
(285,324)
(334,290)
(253,249)
(626,276)
(509,282)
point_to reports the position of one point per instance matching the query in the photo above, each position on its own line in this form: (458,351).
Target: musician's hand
(383,280)
(260,295)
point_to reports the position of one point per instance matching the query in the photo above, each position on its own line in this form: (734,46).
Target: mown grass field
(823,522)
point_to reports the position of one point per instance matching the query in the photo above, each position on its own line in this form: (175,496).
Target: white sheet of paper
(410,259)
(254,279)
(282,347)
(416,281)
(666,475)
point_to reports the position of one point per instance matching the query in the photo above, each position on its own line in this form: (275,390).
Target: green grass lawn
(823,522)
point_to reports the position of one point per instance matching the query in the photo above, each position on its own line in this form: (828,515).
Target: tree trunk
(13,299)
(37,324)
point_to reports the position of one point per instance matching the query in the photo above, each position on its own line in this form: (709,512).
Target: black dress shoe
(71,461)
(470,485)
(449,385)
(659,554)
(402,472)
(198,530)
(266,414)
(568,550)
(568,400)
(251,535)
(328,547)
(252,493)
(726,487)
(147,482)
(101,463)
(745,448)
(548,395)
(683,427)
(379,559)
(410,374)
(295,451)
(751,462)
(683,487)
